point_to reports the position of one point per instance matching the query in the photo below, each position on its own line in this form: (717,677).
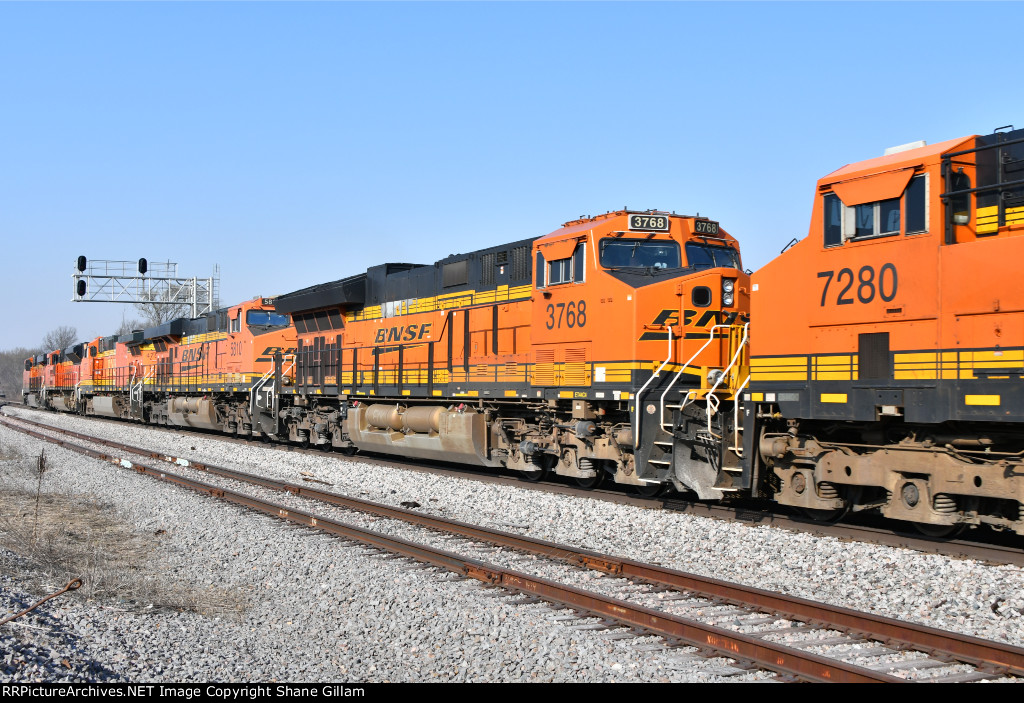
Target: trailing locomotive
(887,362)
(610,348)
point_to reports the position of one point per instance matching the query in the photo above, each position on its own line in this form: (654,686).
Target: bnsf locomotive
(610,348)
(882,370)
(887,358)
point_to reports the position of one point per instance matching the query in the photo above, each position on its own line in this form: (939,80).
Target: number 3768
(573,315)
(866,285)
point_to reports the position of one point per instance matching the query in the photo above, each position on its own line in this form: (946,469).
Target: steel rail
(965,648)
(736,511)
(772,656)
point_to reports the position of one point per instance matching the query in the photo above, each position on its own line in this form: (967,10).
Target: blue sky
(298,143)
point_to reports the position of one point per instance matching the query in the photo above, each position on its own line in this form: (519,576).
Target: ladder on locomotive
(730,382)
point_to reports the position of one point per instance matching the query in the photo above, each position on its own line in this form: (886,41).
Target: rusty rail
(964,648)
(775,657)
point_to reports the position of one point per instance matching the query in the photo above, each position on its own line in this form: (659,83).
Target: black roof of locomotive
(349,292)
(403,281)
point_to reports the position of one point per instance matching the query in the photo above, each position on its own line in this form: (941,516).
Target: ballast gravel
(316,608)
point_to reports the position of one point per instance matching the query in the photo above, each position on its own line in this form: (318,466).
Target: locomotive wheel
(545,462)
(592,482)
(834,515)
(649,490)
(939,531)
(825,516)
(533,476)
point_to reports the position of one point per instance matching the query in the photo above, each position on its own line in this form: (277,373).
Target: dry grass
(58,537)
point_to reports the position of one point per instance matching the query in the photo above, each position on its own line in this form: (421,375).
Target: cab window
(266,318)
(639,253)
(907,214)
(708,256)
(568,270)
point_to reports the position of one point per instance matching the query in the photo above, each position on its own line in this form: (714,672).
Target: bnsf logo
(669,317)
(408,333)
(268,353)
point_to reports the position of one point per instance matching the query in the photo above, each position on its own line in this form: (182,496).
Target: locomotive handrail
(711,338)
(639,393)
(725,372)
(996,145)
(736,448)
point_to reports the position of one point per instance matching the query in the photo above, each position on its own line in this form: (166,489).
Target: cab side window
(907,214)
(917,202)
(568,270)
(833,220)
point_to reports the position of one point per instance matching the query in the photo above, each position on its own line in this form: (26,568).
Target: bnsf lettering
(408,333)
(191,356)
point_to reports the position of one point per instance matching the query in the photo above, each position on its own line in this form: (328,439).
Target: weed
(58,537)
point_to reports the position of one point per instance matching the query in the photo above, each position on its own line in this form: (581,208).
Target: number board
(705,227)
(649,223)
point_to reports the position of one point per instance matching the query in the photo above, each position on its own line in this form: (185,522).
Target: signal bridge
(156,283)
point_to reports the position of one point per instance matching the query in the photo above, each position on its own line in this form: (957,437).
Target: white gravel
(322,610)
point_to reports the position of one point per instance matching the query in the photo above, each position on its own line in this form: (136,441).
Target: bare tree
(12,364)
(128,326)
(159,309)
(60,338)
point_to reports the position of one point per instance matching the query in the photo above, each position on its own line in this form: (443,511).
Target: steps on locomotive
(662,457)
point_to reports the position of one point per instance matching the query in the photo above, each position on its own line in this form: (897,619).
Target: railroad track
(767,630)
(987,546)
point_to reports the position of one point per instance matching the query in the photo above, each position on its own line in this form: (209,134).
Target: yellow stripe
(833,397)
(446,301)
(988,218)
(916,357)
(755,376)
(981,400)
(778,361)
(833,376)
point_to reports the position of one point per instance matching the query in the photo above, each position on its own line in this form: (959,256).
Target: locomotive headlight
(727,299)
(727,285)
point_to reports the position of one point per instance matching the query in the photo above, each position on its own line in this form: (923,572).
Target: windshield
(709,256)
(266,318)
(639,253)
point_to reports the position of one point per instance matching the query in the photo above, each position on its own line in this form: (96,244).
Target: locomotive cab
(891,377)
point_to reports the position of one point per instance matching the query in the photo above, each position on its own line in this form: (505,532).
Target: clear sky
(299,143)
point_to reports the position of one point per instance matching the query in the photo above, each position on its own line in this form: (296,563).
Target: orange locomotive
(196,373)
(52,379)
(535,356)
(888,355)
